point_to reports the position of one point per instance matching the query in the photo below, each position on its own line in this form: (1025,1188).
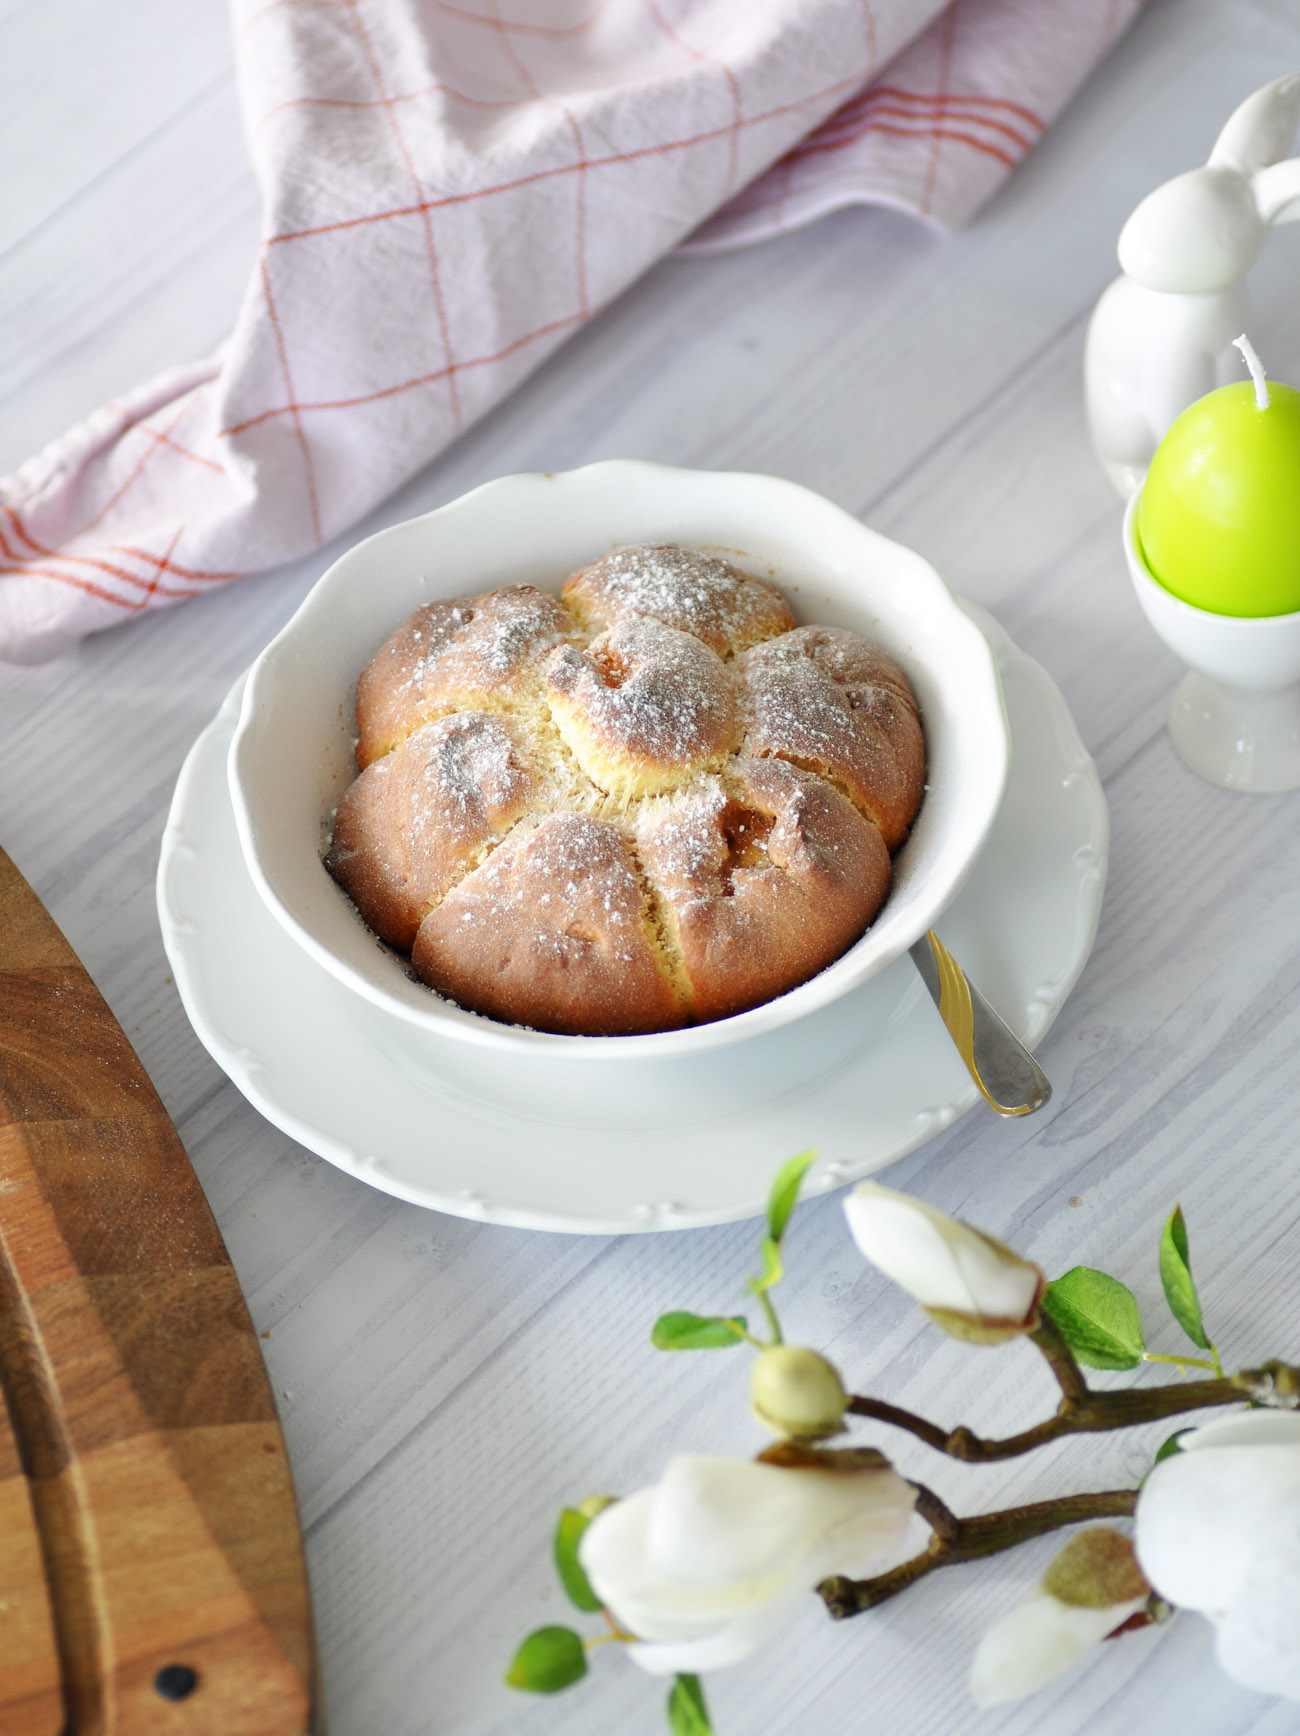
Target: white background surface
(446,1386)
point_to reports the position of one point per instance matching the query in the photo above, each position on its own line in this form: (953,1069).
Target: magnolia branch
(1084,1411)
(1080,1411)
(1099,1411)
(955,1540)
(1062,1361)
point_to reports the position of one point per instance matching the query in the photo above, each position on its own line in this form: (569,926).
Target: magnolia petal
(1251,1428)
(719,1520)
(719,1551)
(724,1645)
(1004,1287)
(1202,1515)
(1218,1529)
(1259,1635)
(904,1238)
(1036,1641)
(725,1519)
(871,1532)
(943,1263)
(616,1560)
(615,1555)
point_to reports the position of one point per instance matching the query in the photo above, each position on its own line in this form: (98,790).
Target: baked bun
(555,930)
(643,709)
(764,878)
(655,803)
(725,608)
(415,821)
(833,703)
(482,653)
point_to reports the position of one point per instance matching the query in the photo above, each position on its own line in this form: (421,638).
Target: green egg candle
(1219,515)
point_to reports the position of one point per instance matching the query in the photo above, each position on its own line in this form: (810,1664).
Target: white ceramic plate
(292,753)
(637,1145)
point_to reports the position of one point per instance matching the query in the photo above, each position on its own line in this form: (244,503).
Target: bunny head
(1199,232)
(1203,230)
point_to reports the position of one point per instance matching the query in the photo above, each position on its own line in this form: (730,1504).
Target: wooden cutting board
(151,1565)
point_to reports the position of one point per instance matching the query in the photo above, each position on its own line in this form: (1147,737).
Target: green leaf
(1176,1276)
(568,1535)
(550,1659)
(687,1713)
(682,1331)
(773,1271)
(785,1192)
(1098,1318)
(1168,1448)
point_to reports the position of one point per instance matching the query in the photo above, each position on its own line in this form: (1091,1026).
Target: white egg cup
(1235,717)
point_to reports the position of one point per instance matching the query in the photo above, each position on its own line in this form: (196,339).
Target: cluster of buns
(649,803)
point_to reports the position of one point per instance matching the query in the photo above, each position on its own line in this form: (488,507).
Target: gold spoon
(1009,1078)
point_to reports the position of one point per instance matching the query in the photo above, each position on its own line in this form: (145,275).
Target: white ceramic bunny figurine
(1161,335)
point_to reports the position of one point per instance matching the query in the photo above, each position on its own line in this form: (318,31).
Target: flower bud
(1096,1569)
(970,1284)
(1093,1587)
(797,1392)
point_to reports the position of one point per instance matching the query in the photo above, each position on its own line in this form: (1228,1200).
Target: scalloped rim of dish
(316,654)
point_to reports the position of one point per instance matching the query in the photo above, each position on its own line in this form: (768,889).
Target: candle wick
(1256,367)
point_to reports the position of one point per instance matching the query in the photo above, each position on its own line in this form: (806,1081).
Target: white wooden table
(445,1386)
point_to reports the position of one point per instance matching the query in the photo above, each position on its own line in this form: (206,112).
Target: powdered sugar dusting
(791,703)
(492,640)
(486,652)
(422,816)
(575,876)
(515,626)
(679,836)
(834,703)
(696,593)
(642,691)
(470,771)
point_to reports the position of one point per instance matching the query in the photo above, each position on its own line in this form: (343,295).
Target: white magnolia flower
(1218,1530)
(956,1272)
(1092,1587)
(712,1559)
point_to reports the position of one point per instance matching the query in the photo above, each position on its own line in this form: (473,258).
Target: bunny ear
(1277,191)
(1261,130)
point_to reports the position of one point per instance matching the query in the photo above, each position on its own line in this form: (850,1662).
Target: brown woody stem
(1083,1411)
(957,1540)
(1061,1360)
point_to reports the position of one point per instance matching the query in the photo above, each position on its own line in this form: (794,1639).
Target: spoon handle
(1009,1078)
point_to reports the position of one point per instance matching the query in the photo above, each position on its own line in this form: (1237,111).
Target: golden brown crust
(643,708)
(721,605)
(420,817)
(552,931)
(834,703)
(626,833)
(763,878)
(482,652)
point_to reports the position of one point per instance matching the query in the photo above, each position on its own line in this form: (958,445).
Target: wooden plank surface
(446,1385)
(149,1437)
(31,1689)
